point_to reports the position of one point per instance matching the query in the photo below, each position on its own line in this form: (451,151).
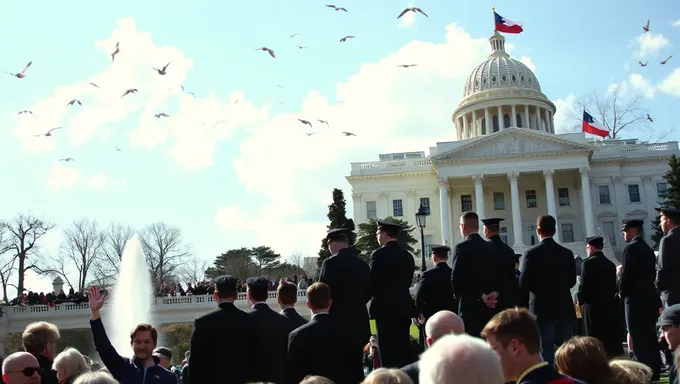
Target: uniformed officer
(641,302)
(504,280)
(597,296)
(667,281)
(392,306)
(434,292)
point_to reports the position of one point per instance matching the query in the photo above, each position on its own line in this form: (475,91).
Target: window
(518,118)
(429,240)
(495,123)
(567,233)
(397,208)
(633,193)
(506,121)
(531,198)
(661,188)
(371,210)
(608,230)
(465,203)
(503,234)
(563,196)
(498,201)
(425,202)
(603,192)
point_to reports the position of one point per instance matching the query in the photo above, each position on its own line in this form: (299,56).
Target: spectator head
(441,324)
(546,226)
(70,363)
(460,359)
(337,239)
(316,380)
(387,231)
(670,218)
(632,229)
(594,244)
(469,223)
(492,226)
(387,376)
(585,359)
(319,297)
(669,321)
(95,378)
(631,372)
(21,368)
(41,338)
(513,334)
(286,294)
(225,288)
(164,356)
(439,253)
(143,339)
(257,289)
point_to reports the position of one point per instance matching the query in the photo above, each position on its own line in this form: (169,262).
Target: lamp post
(421,217)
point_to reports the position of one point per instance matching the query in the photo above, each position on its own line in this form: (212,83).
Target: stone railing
(628,148)
(391,166)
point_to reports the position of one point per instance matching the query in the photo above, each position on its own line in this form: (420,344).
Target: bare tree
(7,263)
(82,246)
(115,238)
(296,259)
(164,250)
(193,271)
(24,231)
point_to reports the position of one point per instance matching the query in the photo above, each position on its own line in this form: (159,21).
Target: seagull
(118,149)
(280,86)
(323,122)
(293,35)
(162,114)
(301,47)
(75,101)
(94,85)
(305,122)
(407,65)
(336,7)
(650,118)
(265,49)
(129,91)
(310,133)
(162,72)
(665,61)
(115,52)
(221,121)
(643,64)
(67,159)
(348,134)
(346,37)
(411,9)
(646,27)
(21,74)
(48,133)
(25,111)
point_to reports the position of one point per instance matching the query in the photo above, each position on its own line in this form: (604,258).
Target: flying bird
(94,85)
(407,65)
(270,51)
(665,61)
(293,35)
(118,149)
(25,111)
(346,37)
(67,159)
(162,72)
(75,101)
(412,9)
(221,121)
(310,133)
(129,91)
(646,27)
(162,114)
(323,122)
(115,52)
(643,64)
(48,133)
(301,47)
(21,74)
(305,122)
(650,118)
(348,134)
(336,7)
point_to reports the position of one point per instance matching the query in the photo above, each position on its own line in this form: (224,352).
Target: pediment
(637,212)
(512,142)
(566,216)
(607,214)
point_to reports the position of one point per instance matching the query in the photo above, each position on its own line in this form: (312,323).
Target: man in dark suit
(597,294)
(226,325)
(667,281)
(392,306)
(504,281)
(287,297)
(547,274)
(323,347)
(471,279)
(434,292)
(641,302)
(273,330)
(348,278)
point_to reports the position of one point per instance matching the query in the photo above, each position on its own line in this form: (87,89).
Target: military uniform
(504,280)
(667,280)
(434,292)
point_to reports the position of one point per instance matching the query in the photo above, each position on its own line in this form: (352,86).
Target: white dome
(500,71)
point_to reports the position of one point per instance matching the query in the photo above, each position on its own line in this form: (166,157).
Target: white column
(459,133)
(527,122)
(486,121)
(386,205)
(513,118)
(539,125)
(359,213)
(500,119)
(474,123)
(465,127)
(516,209)
(587,201)
(552,122)
(550,197)
(479,195)
(547,120)
(445,209)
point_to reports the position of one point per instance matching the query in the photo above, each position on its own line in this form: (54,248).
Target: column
(550,197)
(386,205)
(513,118)
(500,119)
(486,121)
(459,134)
(465,127)
(445,209)
(474,123)
(479,195)
(552,122)
(587,201)
(356,207)
(650,195)
(527,122)
(539,125)
(516,209)
(547,120)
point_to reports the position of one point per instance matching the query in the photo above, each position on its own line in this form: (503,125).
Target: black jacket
(48,376)
(273,330)
(392,270)
(295,319)
(434,292)
(667,281)
(504,282)
(638,272)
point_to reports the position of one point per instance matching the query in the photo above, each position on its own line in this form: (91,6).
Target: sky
(232,166)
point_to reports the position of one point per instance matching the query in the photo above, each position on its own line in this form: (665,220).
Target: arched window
(483,125)
(495,123)
(506,121)
(519,121)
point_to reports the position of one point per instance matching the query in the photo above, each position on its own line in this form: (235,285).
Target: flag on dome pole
(592,126)
(505,25)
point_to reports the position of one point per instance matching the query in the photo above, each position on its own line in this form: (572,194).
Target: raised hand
(95,299)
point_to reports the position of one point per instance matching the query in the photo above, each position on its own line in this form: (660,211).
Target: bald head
(13,366)
(441,324)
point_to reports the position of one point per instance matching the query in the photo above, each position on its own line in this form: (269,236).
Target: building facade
(508,162)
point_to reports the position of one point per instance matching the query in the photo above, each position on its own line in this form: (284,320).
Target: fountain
(131,296)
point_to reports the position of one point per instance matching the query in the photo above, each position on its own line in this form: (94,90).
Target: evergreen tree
(337,214)
(235,262)
(671,196)
(265,258)
(367,241)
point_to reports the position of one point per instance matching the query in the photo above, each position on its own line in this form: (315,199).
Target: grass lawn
(414,330)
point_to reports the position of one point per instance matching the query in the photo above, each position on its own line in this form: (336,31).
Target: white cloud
(641,85)
(563,120)
(621,87)
(527,61)
(98,181)
(649,44)
(62,177)
(676,23)
(671,84)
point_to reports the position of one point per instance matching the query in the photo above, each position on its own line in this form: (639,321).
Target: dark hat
(258,284)
(634,223)
(595,241)
(337,233)
(225,283)
(670,212)
(669,316)
(388,225)
(163,352)
(492,221)
(439,249)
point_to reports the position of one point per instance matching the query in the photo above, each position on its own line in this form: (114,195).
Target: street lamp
(421,217)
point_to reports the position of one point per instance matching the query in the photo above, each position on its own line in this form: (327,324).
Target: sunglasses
(29,371)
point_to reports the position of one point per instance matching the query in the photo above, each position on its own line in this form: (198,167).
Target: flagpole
(493,9)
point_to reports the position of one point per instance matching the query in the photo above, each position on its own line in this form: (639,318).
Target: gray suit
(667,281)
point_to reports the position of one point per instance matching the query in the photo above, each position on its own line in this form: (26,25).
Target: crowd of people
(481,322)
(208,287)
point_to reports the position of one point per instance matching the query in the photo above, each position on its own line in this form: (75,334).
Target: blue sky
(257,178)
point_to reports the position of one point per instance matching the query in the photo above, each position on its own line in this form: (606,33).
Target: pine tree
(367,242)
(671,196)
(337,214)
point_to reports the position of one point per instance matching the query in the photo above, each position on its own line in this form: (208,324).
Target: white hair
(460,359)
(72,361)
(96,378)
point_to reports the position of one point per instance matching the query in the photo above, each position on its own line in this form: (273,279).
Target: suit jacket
(667,280)
(504,282)
(226,325)
(434,292)
(470,277)
(321,347)
(548,272)
(391,269)
(598,280)
(273,330)
(547,375)
(293,317)
(412,370)
(638,271)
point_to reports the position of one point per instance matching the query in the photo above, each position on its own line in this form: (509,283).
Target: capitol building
(507,161)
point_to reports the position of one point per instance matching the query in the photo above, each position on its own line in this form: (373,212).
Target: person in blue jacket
(143,367)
